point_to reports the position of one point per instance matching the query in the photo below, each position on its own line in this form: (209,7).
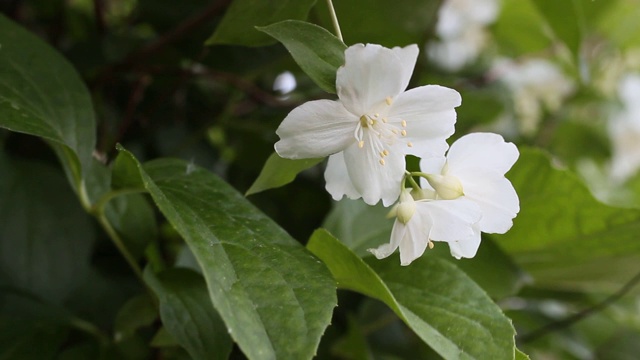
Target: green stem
(334,20)
(412,181)
(91,329)
(117,241)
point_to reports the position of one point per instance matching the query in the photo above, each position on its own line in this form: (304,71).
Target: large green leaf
(565,20)
(445,308)
(361,227)
(188,314)
(565,237)
(381,22)
(239,22)
(42,95)
(278,172)
(316,50)
(45,237)
(274,296)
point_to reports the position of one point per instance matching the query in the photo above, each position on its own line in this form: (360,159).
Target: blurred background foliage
(560,76)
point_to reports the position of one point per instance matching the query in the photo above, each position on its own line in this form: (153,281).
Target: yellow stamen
(385,152)
(404,123)
(382,153)
(409,144)
(377,115)
(389,100)
(381,161)
(384,120)
(403,132)
(430,244)
(361,144)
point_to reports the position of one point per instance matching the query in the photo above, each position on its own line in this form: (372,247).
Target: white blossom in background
(536,85)
(464,194)
(624,130)
(461,31)
(373,125)
(285,83)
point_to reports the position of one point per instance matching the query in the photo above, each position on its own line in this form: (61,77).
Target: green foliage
(575,234)
(72,251)
(188,314)
(42,95)
(279,172)
(262,282)
(436,300)
(316,50)
(239,22)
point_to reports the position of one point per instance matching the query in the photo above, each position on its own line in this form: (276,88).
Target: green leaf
(620,24)
(45,237)
(562,235)
(358,225)
(380,22)
(565,20)
(519,29)
(42,95)
(318,52)
(188,315)
(274,296)
(136,313)
(445,308)
(278,172)
(243,16)
(521,356)
(135,219)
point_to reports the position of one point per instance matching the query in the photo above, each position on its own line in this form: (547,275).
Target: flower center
(379,133)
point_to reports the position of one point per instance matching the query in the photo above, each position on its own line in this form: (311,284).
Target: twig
(566,322)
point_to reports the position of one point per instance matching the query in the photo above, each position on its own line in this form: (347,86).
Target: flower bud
(448,187)
(406,208)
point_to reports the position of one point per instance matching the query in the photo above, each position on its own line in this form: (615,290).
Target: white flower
(536,84)
(373,125)
(420,222)
(461,30)
(624,129)
(474,170)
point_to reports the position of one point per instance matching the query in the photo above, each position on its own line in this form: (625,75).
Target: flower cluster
(372,127)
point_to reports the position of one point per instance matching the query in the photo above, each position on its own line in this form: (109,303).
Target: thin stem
(102,202)
(334,20)
(89,328)
(412,181)
(566,322)
(117,241)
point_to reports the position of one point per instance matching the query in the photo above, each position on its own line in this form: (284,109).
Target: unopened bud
(406,208)
(448,187)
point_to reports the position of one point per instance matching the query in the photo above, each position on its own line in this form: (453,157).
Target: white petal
(337,177)
(496,197)
(415,241)
(468,247)
(452,219)
(430,117)
(372,73)
(482,150)
(370,178)
(397,234)
(315,129)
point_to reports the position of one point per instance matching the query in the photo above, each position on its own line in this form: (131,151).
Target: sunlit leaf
(278,172)
(274,296)
(444,307)
(316,50)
